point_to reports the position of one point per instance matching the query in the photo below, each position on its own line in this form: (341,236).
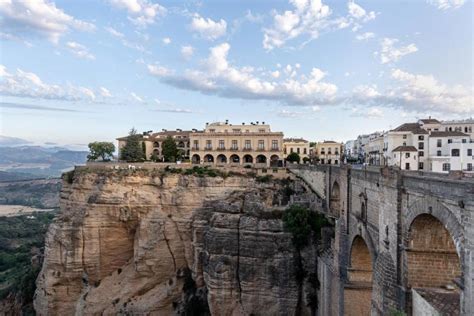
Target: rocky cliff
(161,242)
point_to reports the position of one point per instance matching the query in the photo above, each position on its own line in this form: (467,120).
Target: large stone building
(154,143)
(224,143)
(296,145)
(329,152)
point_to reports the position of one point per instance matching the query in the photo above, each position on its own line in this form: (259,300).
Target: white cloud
(140,12)
(371,112)
(306,112)
(447,4)
(310,18)
(105,92)
(389,53)
(29,85)
(187,51)
(275,74)
(136,97)
(221,78)
(374,113)
(419,93)
(208,28)
(79,50)
(365,36)
(166,40)
(39,17)
(114,32)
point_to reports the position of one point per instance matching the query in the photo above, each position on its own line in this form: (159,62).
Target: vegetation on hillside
(35,193)
(21,248)
(301,223)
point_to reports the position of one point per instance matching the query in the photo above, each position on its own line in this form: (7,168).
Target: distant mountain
(40,161)
(12,141)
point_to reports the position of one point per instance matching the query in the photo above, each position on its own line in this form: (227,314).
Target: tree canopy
(132,151)
(170,151)
(103,150)
(293,157)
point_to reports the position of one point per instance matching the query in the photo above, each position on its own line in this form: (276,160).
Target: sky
(72,72)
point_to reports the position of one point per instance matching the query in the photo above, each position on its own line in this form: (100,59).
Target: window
(247,144)
(407,155)
(236,130)
(208,144)
(421,145)
(234,144)
(469,152)
(438,153)
(329,161)
(446,167)
(450,141)
(464,140)
(261,144)
(404,143)
(421,137)
(261,130)
(405,136)
(420,166)
(469,167)
(407,166)
(212,130)
(322,151)
(439,143)
(322,161)
(275,144)
(421,153)
(195,144)
(329,151)
(298,150)
(221,144)
(336,162)
(304,151)
(291,150)
(455,152)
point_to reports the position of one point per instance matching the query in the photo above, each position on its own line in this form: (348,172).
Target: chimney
(257,122)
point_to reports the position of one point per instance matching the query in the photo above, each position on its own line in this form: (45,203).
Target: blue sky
(73,72)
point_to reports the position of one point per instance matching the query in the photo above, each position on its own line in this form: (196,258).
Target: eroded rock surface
(144,242)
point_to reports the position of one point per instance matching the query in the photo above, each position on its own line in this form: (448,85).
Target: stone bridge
(404,241)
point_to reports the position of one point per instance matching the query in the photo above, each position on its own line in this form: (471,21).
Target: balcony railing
(221,148)
(195,148)
(234,148)
(275,149)
(208,148)
(247,149)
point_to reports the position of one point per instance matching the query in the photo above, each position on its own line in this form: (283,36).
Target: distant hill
(38,160)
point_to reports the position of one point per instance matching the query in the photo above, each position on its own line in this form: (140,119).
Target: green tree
(312,144)
(102,150)
(301,222)
(132,151)
(169,150)
(293,157)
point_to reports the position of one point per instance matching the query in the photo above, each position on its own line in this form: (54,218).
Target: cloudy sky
(77,71)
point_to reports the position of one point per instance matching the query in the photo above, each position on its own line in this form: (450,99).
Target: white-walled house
(450,150)
(405,157)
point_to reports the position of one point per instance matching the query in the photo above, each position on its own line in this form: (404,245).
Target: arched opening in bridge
(196,159)
(434,268)
(234,159)
(274,159)
(261,159)
(221,158)
(248,159)
(335,199)
(358,290)
(208,158)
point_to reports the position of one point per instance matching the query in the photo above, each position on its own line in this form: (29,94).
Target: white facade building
(450,151)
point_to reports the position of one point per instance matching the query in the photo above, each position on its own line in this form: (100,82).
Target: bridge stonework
(416,231)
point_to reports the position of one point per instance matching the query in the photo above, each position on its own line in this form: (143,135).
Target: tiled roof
(430,121)
(447,134)
(415,128)
(405,148)
(295,140)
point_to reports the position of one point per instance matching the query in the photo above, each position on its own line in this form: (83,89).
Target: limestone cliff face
(143,242)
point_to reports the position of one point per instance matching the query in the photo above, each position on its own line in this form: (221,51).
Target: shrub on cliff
(301,222)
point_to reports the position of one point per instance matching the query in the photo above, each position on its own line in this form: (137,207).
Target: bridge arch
(358,290)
